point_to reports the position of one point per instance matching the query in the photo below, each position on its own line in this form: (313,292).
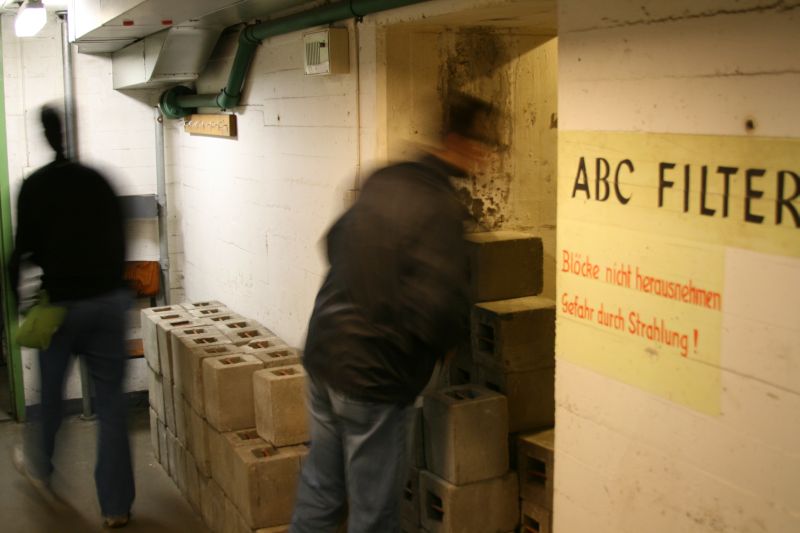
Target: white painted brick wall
(627,461)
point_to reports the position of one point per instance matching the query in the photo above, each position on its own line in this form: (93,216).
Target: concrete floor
(159,505)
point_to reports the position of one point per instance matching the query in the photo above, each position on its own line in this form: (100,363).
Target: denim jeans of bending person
(93,328)
(357,465)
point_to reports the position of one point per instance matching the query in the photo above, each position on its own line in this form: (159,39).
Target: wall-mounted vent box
(327,52)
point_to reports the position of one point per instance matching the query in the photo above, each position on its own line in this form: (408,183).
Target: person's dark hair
(51,120)
(471,117)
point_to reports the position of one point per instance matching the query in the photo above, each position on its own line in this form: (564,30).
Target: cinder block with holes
(170,465)
(197,441)
(535,519)
(466,431)
(230,316)
(180,416)
(242,337)
(222,447)
(535,466)
(163,446)
(234,328)
(190,306)
(192,481)
(164,329)
(179,466)
(516,335)
(169,404)
(265,483)
(212,502)
(504,264)
(480,507)
(177,336)
(273,352)
(530,393)
(228,391)
(206,312)
(154,443)
(190,351)
(409,505)
(155,393)
(234,521)
(149,318)
(281,413)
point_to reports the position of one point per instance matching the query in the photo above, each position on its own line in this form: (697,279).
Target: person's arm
(22,241)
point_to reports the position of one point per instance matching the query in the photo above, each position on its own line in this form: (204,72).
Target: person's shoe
(114,522)
(41,486)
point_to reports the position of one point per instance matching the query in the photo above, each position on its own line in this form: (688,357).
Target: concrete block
(180,466)
(212,502)
(265,483)
(168,392)
(206,312)
(234,521)
(222,447)
(180,405)
(273,355)
(155,393)
(276,529)
(535,466)
(536,519)
(230,316)
(190,306)
(516,334)
(480,507)
(466,431)
(504,264)
(192,482)
(164,329)
(154,441)
(197,441)
(409,527)
(409,505)
(172,454)
(244,336)
(281,413)
(162,446)
(149,318)
(531,395)
(228,391)
(189,350)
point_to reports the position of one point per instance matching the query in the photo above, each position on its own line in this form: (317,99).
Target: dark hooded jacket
(395,298)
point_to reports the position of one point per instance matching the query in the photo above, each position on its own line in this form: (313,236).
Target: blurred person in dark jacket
(393,304)
(70,223)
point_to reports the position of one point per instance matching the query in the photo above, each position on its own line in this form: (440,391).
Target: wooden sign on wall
(214,125)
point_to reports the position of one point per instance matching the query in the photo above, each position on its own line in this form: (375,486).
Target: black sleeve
(23,242)
(433,293)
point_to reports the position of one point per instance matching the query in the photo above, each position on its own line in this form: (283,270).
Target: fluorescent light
(31,18)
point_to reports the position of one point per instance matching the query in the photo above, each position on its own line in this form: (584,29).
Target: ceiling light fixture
(31,18)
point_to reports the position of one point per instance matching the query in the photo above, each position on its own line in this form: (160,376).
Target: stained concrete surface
(159,505)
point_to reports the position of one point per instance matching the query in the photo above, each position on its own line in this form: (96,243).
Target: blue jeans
(95,329)
(357,465)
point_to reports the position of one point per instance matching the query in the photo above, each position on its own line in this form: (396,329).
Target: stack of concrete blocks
(207,357)
(535,467)
(467,466)
(512,331)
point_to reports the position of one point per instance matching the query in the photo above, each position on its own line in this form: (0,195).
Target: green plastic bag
(41,322)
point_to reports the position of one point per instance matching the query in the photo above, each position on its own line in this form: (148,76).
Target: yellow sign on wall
(643,224)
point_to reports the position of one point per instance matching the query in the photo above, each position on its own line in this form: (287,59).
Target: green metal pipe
(179,102)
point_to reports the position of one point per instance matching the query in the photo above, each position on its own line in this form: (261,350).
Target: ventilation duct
(176,55)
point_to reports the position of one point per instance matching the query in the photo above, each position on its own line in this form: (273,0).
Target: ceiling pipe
(181,101)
